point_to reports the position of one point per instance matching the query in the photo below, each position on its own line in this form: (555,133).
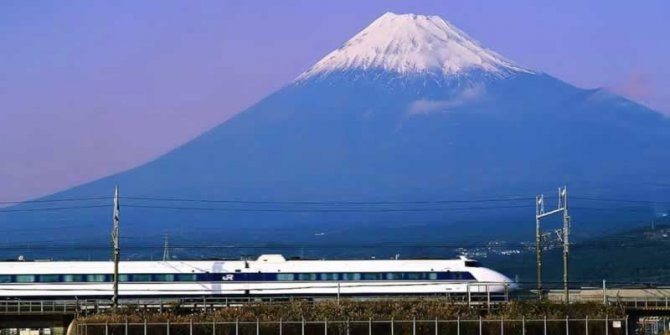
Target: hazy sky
(88,88)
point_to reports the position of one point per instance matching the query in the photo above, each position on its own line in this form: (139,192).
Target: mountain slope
(391,124)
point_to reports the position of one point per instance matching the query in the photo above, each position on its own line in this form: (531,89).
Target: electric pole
(539,210)
(115,242)
(565,237)
(563,203)
(166,249)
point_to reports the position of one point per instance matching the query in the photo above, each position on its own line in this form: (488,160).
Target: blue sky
(88,88)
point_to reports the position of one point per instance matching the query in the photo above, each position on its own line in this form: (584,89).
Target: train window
(413,276)
(164,277)
(372,276)
(95,278)
(393,276)
(432,276)
(48,278)
(351,276)
(307,276)
(329,276)
(25,279)
(285,276)
(185,277)
(72,278)
(138,277)
(5,279)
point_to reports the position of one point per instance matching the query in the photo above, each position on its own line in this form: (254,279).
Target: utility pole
(563,203)
(166,249)
(539,214)
(115,242)
(539,210)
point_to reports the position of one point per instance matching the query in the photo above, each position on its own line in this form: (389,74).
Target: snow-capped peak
(409,43)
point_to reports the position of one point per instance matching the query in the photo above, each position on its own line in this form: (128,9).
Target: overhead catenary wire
(42,245)
(141,202)
(650,202)
(12,202)
(329,202)
(335,202)
(46,209)
(323,207)
(298,210)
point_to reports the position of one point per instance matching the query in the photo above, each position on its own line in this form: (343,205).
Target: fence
(369,327)
(38,307)
(195,304)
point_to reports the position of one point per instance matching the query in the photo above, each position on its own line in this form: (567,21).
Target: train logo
(227,278)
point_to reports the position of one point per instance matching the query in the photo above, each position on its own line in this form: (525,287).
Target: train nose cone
(494,277)
(500,278)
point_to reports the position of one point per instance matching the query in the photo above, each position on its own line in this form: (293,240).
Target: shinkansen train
(269,275)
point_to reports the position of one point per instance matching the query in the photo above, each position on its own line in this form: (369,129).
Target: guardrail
(644,302)
(38,307)
(481,326)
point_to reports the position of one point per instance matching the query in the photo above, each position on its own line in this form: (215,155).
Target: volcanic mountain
(411,130)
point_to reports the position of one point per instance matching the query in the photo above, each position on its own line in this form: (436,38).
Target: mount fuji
(396,136)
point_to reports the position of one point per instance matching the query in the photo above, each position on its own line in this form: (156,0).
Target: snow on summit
(409,43)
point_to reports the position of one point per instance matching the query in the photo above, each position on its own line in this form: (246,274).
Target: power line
(269,202)
(624,200)
(615,209)
(346,246)
(292,210)
(344,202)
(326,210)
(51,200)
(231,246)
(44,209)
(44,228)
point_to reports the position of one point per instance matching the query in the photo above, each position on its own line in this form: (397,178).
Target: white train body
(269,275)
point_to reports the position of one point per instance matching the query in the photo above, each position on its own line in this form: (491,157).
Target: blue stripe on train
(240,277)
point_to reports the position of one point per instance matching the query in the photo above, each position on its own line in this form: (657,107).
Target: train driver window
(472,264)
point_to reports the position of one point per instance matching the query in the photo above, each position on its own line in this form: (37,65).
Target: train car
(269,275)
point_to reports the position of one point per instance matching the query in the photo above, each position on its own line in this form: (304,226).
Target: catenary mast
(116,252)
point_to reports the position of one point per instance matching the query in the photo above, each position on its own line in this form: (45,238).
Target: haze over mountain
(410,110)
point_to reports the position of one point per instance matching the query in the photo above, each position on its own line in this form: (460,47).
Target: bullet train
(269,275)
